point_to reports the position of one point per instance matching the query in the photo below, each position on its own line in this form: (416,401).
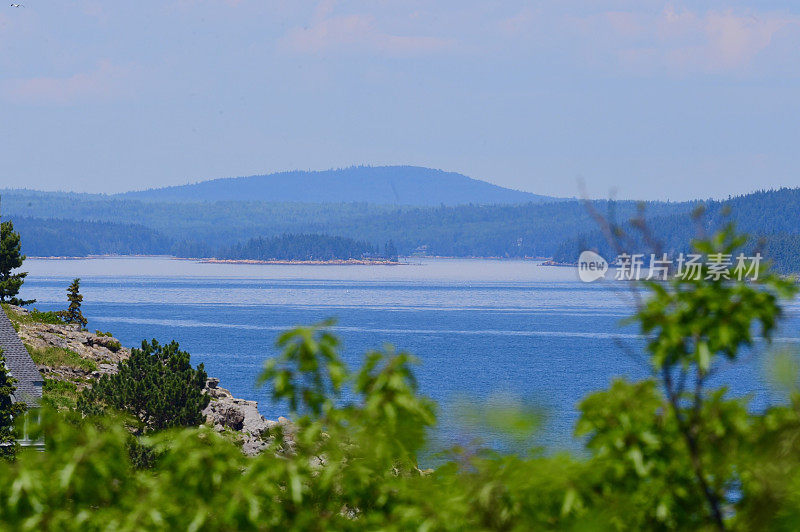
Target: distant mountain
(384,185)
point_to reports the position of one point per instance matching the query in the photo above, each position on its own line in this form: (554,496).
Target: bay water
(482,329)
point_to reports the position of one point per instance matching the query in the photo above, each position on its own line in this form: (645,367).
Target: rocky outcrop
(102,350)
(224,412)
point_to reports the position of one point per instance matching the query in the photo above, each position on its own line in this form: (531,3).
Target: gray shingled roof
(20,364)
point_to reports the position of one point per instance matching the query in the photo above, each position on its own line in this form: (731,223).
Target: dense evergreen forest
(770,218)
(82,224)
(77,238)
(202,229)
(298,247)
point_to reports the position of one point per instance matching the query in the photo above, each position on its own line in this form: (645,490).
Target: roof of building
(20,364)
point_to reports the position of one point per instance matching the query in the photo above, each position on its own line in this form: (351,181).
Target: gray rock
(227,412)
(252,446)
(54,340)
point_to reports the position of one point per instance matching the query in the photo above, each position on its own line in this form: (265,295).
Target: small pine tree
(8,411)
(157,385)
(73,314)
(11,258)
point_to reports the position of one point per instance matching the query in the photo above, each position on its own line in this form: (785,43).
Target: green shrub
(142,455)
(45,317)
(33,316)
(59,395)
(157,386)
(114,346)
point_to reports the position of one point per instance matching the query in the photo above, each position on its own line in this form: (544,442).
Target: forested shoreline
(57,224)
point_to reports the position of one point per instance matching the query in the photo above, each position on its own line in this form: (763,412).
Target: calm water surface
(479,327)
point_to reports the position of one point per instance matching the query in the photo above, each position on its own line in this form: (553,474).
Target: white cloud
(357,32)
(103,82)
(678,41)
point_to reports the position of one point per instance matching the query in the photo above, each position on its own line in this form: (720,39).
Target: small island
(332,262)
(306,249)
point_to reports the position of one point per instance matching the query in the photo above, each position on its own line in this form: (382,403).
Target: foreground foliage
(662,453)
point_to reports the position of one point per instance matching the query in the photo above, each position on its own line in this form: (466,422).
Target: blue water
(479,327)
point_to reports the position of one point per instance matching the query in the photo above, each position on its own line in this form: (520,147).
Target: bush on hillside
(157,385)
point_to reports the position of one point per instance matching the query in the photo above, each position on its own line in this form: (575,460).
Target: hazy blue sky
(654,99)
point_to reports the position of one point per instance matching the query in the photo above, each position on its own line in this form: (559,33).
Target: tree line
(299,247)
(96,225)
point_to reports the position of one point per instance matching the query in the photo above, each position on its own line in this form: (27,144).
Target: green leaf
(703,357)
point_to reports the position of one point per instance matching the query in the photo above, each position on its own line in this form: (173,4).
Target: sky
(634,99)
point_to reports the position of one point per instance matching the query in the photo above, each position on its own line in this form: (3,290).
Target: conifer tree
(390,251)
(73,314)
(8,411)
(157,385)
(11,258)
